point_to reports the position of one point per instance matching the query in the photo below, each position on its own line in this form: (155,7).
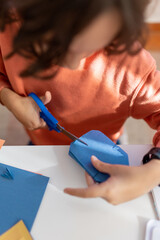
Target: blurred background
(135,131)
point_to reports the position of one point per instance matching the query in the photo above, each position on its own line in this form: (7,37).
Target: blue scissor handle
(45,114)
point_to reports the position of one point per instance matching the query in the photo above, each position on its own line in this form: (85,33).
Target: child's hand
(25,109)
(125,183)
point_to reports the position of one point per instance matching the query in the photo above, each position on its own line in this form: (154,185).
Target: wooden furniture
(153,42)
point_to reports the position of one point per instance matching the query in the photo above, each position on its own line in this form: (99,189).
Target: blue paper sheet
(100,146)
(20,197)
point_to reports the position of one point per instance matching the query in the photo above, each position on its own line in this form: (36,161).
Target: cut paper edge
(7,174)
(17,232)
(100,146)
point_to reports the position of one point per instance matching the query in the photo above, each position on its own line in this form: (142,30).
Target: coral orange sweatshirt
(101,94)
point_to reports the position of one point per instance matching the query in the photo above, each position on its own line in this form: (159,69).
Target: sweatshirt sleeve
(145,102)
(4,81)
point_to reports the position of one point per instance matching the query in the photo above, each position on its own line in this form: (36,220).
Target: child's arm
(127,183)
(146,101)
(24,108)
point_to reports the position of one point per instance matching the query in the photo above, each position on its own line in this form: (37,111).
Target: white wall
(153,12)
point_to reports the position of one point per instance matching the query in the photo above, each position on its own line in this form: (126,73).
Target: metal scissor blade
(70,135)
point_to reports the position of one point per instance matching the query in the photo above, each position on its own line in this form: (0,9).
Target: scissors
(51,121)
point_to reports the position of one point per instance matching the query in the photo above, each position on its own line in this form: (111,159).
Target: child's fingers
(46,98)
(101,166)
(43,124)
(89,179)
(94,190)
(38,125)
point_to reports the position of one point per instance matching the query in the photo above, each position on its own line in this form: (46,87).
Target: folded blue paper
(100,146)
(20,196)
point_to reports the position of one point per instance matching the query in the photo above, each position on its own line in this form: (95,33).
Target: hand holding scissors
(51,121)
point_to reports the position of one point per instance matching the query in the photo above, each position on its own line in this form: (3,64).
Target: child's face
(94,37)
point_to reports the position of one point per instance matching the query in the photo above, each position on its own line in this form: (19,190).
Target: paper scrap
(17,232)
(1,143)
(20,198)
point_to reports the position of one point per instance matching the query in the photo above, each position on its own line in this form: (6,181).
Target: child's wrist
(2,94)
(153,171)
(8,97)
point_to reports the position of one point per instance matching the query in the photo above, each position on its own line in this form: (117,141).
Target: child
(80,57)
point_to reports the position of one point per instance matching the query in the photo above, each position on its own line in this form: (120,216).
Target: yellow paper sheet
(1,143)
(17,232)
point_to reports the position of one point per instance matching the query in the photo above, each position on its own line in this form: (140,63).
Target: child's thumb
(46,98)
(102,166)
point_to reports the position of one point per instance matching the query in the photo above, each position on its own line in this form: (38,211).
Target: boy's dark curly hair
(50,26)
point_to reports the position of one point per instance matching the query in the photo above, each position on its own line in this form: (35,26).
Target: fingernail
(94,158)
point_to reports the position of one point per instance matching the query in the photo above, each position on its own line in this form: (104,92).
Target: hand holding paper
(102,147)
(118,182)
(125,183)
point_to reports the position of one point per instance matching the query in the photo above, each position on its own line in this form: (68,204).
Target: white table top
(63,217)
